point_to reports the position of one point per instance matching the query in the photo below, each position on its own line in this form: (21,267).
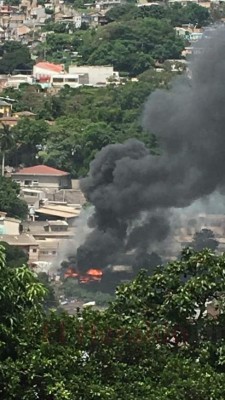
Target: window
(35,183)
(34,250)
(27,182)
(58,228)
(71,80)
(55,80)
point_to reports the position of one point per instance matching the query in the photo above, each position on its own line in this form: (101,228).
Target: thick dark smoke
(133,192)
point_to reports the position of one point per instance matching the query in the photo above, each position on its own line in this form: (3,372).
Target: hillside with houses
(73,78)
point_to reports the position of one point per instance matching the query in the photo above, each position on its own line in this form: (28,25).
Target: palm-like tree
(6,143)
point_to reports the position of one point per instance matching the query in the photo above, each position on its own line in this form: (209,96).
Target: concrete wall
(11,226)
(60,80)
(77,21)
(5,110)
(39,72)
(15,81)
(42,181)
(33,253)
(98,74)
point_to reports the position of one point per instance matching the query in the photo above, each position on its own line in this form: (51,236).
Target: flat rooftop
(19,240)
(58,211)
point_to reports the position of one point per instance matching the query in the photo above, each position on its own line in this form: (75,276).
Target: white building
(33,197)
(195,36)
(103,4)
(183,2)
(97,74)
(15,80)
(44,70)
(9,226)
(42,176)
(75,19)
(72,80)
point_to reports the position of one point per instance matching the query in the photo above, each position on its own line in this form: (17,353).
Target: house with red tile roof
(42,176)
(43,71)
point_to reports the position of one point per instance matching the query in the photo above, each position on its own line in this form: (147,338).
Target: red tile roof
(51,66)
(41,170)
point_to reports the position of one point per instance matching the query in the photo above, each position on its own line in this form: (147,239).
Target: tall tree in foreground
(6,143)
(9,199)
(156,341)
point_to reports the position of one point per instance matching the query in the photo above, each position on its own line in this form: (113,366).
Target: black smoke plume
(133,192)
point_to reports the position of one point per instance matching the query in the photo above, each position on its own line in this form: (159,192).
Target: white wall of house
(107,3)
(16,80)
(12,226)
(39,72)
(42,181)
(77,20)
(60,80)
(98,74)
(9,226)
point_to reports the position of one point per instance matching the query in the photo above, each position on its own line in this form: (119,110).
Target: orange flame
(92,275)
(94,272)
(70,273)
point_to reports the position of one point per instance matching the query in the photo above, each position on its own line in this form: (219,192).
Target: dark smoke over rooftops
(133,192)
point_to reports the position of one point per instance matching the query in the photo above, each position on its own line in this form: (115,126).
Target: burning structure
(135,194)
(91,275)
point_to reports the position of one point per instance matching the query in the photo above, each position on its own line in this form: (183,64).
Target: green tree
(73,143)
(204,239)
(150,343)
(80,121)
(19,307)
(50,300)
(6,143)
(9,200)
(190,14)
(31,136)
(132,42)
(197,15)
(14,256)
(132,46)
(15,57)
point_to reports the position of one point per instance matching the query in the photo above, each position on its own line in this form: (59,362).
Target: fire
(94,272)
(84,279)
(71,273)
(92,275)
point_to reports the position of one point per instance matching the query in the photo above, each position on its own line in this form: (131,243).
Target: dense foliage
(155,341)
(73,125)
(80,122)
(131,46)
(9,200)
(72,290)
(176,13)
(133,40)
(15,257)
(204,239)
(15,57)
